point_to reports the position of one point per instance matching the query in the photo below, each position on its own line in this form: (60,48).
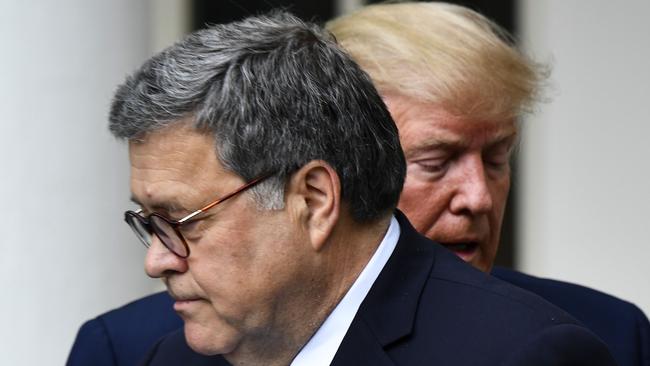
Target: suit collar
(395,292)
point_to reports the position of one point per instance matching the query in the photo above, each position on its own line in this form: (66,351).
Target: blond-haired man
(456,86)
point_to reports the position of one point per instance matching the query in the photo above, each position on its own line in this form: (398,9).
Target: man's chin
(483,266)
(479,262)
(207,341)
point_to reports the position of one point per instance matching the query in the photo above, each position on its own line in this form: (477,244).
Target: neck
(331,273)
(348,254)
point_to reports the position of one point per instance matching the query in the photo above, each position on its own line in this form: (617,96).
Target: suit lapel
(387,314)
(360,347)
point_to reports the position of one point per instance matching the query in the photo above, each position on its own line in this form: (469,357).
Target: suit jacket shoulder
(428,307)
(92,346)
(620,324)
(122,336)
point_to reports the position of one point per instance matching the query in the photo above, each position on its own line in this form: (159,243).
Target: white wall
(585,185)
(66,254)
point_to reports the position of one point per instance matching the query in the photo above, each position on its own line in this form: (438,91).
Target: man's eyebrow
(167,206)
(433,144)
(508,137)
(451,143)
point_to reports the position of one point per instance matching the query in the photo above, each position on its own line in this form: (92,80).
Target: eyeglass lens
(162,229)
(139,227)
(168,235)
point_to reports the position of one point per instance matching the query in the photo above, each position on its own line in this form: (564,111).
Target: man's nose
(161,262)
(473,194)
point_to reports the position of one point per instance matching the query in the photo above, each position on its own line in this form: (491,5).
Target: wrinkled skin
(458,177)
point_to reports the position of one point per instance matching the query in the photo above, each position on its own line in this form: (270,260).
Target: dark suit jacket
(620,324)
(121,337)
(428,307)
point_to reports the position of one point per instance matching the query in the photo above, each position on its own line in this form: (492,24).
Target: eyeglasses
(168,230)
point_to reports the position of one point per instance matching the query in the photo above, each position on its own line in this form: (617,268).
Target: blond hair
(443,54)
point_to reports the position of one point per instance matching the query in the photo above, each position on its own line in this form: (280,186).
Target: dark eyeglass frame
(153,229)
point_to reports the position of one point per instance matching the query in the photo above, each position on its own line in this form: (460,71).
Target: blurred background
(579,209)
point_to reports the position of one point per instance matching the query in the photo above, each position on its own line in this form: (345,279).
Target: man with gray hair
(267,169)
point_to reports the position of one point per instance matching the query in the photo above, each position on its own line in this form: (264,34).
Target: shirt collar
(322,346)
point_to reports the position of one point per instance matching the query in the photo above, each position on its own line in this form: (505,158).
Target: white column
(65,253)
(585,185)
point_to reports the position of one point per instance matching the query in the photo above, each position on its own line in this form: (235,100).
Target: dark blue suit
(620,324)
(428,307)
(122,337)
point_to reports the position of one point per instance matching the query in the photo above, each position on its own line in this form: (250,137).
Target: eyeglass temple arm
(229,195)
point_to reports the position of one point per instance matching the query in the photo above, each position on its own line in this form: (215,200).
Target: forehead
(171,165)
(425,124)
(179,138)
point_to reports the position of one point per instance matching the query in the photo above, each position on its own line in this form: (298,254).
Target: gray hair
(276,93)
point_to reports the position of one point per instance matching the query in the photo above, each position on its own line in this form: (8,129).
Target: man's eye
(433,166)
(498,157)
(498,163)
(430,168)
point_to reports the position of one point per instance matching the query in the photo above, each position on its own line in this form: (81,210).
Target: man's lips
(466,250)
(184,303)
(182,300)
(186,299)
(469,246)
(181,297)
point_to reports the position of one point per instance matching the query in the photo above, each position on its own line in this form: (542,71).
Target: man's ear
(315,191)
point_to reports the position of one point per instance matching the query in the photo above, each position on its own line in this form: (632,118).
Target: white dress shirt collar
(322,346)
